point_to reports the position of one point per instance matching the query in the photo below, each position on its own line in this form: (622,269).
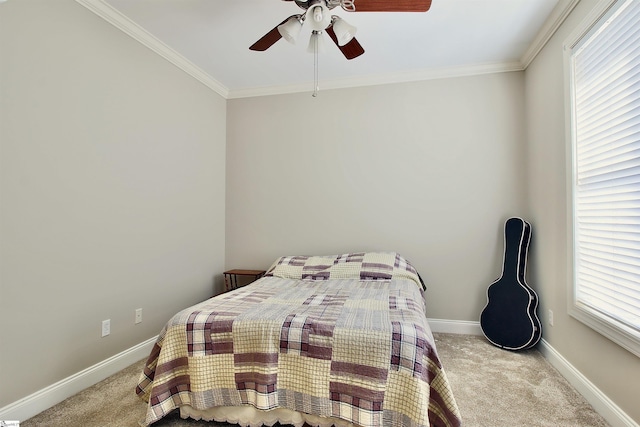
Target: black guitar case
(510,320)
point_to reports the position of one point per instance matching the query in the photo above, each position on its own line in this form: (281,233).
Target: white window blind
(606,184)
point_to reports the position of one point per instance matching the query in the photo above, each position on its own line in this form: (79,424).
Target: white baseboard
(49,396)
(462,327)
(600,402)
(37,402)
(611,412)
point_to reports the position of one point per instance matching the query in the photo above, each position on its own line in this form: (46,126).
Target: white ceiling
(212,39)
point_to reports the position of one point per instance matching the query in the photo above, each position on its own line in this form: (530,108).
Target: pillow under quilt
(361,265)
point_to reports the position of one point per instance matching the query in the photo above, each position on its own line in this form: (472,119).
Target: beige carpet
(493,388)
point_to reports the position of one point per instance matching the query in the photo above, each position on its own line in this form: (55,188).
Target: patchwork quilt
(343,337)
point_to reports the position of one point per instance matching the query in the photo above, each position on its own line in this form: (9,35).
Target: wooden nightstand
(231,277)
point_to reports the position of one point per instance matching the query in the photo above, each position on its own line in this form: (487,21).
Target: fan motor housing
(303,4)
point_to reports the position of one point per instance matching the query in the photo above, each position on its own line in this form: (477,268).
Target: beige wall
(430,169)
(607,365)
(111,191)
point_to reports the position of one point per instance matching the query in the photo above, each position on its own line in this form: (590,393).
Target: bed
(319,340)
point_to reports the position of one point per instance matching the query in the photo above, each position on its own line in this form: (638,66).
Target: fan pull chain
(315,68)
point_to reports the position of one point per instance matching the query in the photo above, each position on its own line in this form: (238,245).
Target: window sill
(617,332)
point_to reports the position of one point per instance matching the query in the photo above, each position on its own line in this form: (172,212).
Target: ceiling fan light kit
(318,17)
(317,12)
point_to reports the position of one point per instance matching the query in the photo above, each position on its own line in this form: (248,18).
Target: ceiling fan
(317,13)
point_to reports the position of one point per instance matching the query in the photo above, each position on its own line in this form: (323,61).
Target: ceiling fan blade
(351,50)
(269,39)
(392,5)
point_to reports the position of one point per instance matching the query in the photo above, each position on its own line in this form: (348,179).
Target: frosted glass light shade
(318,17)
(345,32)
(316,41)
(290,29)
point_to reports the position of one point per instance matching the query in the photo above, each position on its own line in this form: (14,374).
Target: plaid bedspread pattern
(356,350)
(362,265)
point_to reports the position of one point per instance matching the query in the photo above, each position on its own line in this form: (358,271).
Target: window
(603,59)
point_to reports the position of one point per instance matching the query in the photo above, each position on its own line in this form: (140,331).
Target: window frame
(617,332)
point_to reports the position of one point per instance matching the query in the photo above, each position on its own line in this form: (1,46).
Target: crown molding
(123,23)
(380,79)
(120,21)
(558,15)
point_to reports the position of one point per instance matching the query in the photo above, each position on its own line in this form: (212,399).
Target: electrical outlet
(550,318)
(138,315)
(106,327)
